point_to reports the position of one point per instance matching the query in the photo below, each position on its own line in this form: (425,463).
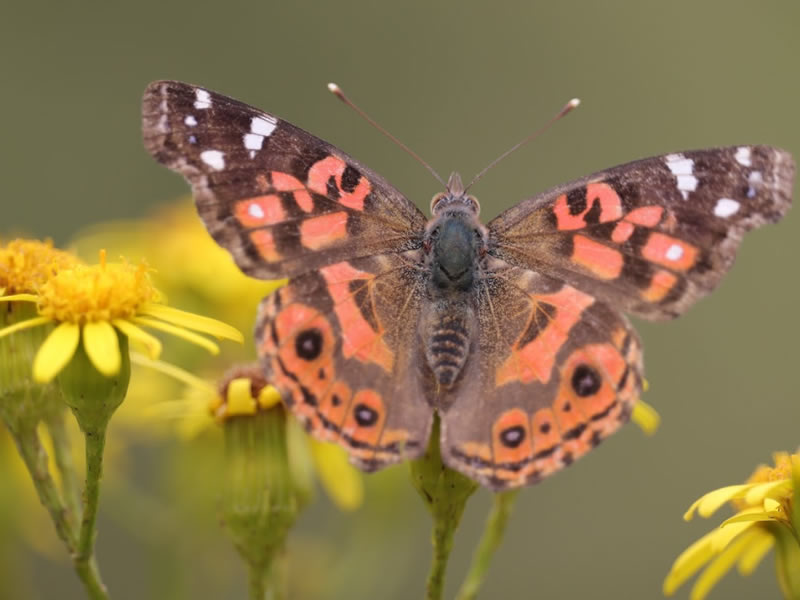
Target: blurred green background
(459,82)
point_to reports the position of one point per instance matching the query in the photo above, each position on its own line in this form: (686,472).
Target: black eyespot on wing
(585,380)
(308,344)
(512,436)
(365,415)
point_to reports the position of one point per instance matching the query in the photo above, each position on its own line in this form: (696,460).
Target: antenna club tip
(333,88)
(574,103)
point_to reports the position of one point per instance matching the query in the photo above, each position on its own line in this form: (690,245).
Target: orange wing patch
(534,353)
(322,231)
(660,285)
(259,211)
(361,338)
(334,167)
(265,244)
(669,252)
(602,193)
(283,182)
(603,262)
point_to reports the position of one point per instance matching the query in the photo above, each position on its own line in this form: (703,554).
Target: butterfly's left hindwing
(340,345)
(282,201)
(653,236)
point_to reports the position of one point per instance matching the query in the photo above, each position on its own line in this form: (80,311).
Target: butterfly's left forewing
(281,200)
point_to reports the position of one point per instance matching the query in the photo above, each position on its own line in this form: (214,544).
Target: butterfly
(512,332)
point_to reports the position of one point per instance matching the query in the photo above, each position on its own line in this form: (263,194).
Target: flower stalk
(502,504)
(445,493)
(93,399)
(259,506)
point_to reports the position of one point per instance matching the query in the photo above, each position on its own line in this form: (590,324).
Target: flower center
(103,292)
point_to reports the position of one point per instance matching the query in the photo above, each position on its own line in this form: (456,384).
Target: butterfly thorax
(454,245)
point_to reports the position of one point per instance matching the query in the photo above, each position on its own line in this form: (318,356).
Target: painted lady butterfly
(512,331)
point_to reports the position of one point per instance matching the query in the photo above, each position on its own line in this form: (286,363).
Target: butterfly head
(455,198)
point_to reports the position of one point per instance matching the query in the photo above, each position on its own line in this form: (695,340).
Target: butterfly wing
(339,343)
(282,201)
(554,373)
(652,236)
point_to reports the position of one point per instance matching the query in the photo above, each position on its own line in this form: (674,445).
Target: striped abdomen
(447,349)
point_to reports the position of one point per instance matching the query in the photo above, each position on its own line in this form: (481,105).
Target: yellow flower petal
(192,321)
(720,565)
(699,553)
(759,492)
(708,503)
(646,417)
(747,517)
(151,343)
(102,347)
(758,548)
(341,481)
(269,397)
(240,399)
(178,332)
(27,324)
(18,297)
(56,351)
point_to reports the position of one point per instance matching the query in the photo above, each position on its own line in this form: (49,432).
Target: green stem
(490,541)
(84,562)
(257,577)
(62,453)
(445,493)
(443,532)
(35,458)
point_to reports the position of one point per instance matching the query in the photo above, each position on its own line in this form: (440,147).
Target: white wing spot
(263,125)
(253,141)
(683,170)
(255,211)
(190,120)
(755,179)
(742,156)
(674,252)
(726,207)
(214,159)
(202,99)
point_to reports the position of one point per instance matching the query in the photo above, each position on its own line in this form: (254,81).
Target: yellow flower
(27,264)
(244,392)
(766,517)
(95,304)
(182,254)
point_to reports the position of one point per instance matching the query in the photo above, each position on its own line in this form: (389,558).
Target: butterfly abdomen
(447,343)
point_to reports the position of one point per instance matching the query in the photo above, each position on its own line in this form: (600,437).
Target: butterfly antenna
(563,112)
(337,91)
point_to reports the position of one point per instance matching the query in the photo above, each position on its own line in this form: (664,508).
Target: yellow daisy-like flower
(27,264)
(244,392)
(767,517)
(94,303)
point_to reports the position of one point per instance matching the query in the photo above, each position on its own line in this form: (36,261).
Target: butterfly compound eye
(435,201)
